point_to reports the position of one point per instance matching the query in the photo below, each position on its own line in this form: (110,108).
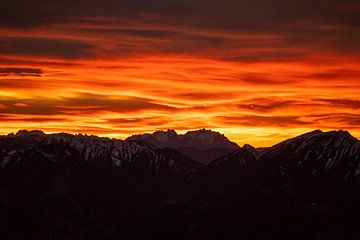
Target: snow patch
(329,164)
(357,171)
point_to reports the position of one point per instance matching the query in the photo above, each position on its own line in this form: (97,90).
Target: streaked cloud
(259,71)
(34,72)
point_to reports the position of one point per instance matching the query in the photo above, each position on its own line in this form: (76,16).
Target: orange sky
(111,75)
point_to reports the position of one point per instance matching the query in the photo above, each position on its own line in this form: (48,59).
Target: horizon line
(109,136)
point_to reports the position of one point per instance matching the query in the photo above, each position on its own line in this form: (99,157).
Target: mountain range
(63,186)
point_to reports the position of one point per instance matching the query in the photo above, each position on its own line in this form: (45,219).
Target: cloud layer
(260,71)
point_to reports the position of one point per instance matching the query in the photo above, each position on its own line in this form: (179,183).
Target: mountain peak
(342,133)
(202,138)
(203,145)
(339,136)
(163,136)
(309,134)
(248,146)
(171,131)
(30,133)
(202,132)
(324,151)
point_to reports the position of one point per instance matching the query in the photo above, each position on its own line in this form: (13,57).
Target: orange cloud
(258,81)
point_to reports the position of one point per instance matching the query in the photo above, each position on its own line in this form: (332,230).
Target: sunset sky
(257,71)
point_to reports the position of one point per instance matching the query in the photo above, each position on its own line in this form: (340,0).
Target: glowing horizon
(240,138)
(120,70)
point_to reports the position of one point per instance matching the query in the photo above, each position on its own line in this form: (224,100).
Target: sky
(259,71)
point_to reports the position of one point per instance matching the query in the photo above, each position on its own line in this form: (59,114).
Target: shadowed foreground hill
(63,186)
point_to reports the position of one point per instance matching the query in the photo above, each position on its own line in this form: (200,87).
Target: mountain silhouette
(63,186)
(201,145)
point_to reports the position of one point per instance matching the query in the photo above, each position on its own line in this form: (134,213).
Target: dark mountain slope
(81,183)
(334,153)
(305,187)
(63,186)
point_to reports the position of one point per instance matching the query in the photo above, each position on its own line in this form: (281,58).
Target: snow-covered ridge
(317,152)
(316,139)
(90,148)
(312,153)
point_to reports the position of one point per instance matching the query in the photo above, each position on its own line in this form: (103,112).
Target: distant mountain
(63,186)
(201,145)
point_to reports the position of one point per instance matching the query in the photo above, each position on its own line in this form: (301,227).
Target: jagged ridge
(201,145)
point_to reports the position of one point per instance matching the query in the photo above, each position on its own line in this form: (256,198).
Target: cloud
(265,105)
(262,79)
(293,29)
(310,121)
(138,121)
(16,84)
(34,119)
(234,65)
(262,121)
(82,104)
(205,96)
(33,72)
(334,74)
(341,102)
(44,47)
(92,102)
(337,120)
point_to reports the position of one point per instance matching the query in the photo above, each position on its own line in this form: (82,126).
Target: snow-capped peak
(89,149)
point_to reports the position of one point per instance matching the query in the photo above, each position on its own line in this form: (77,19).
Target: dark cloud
(45,47)
(35,72)
(344,103)
(324,120)
(22,83)
(336,74)
(205,95)
(12,119)
(268,104)
(139,33)
(323,24)
(31,107)
(111,103)
(261,79)
(248,14)
(80,105)
(140,121)
(268,55)
(149,40)
(334,120)
(6,60)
